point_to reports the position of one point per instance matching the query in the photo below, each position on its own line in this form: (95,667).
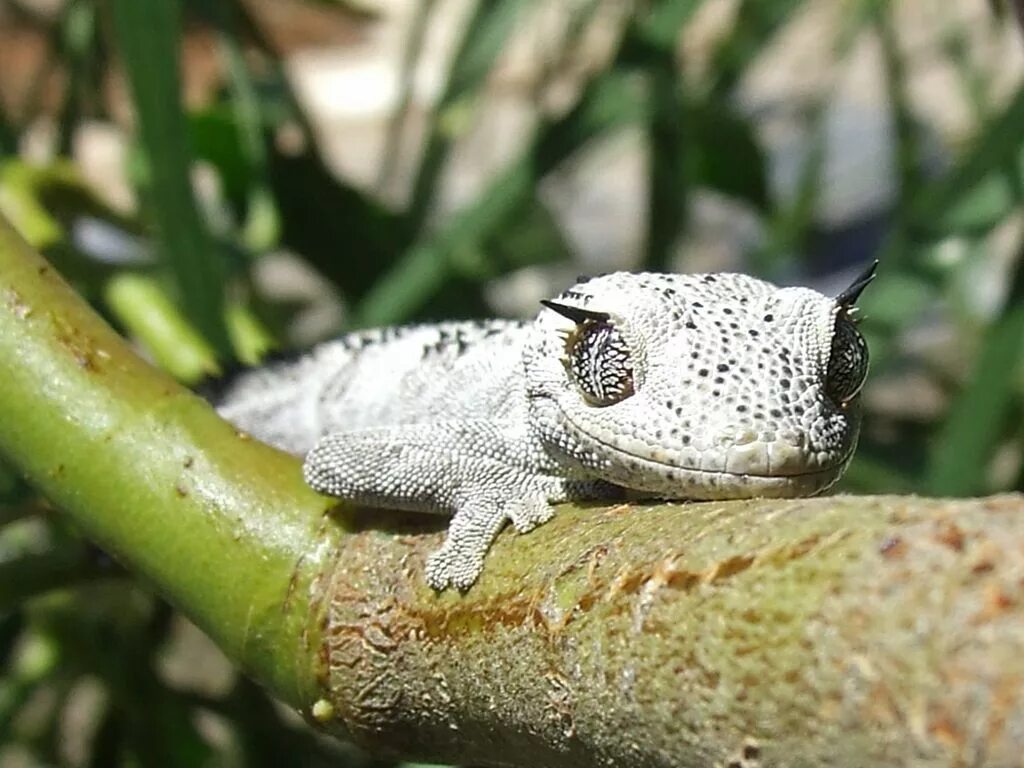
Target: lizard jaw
(738,471)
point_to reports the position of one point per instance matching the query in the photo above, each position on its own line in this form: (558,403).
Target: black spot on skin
(722,367)
(703,372)
(754,332)
(784,383)
(690,324)
(769,317)
(741,408)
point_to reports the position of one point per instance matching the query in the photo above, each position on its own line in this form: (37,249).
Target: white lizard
(716,386)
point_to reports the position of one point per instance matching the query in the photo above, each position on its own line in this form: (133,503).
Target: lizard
(696,387)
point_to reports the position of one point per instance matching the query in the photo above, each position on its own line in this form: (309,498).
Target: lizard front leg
(480,472)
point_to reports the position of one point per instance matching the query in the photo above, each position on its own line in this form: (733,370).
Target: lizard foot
(529,513)
(460,560)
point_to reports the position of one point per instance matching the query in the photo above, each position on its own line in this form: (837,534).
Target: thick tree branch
(221,524)
(837,631)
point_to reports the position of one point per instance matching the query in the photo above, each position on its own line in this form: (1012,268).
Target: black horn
(577,314)
(849,297)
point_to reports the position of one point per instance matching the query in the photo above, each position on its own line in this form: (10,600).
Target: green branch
(836,631)
(222,525)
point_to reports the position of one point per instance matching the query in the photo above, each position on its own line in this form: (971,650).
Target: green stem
(222,525)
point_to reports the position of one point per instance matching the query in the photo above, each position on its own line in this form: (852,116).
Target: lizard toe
(529,513)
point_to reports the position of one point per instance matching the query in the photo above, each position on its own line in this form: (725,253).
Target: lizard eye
(847,363)
(599,362)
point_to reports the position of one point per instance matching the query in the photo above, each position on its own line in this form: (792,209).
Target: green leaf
(659,27)
(146,312)
(482,40)
(612,101)
(347,235)
(725,155)
(977,419)
(148,39)
(529,236)
(984,178)
(757,23)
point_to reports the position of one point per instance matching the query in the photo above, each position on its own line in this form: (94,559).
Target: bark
(846,631)
(838,631)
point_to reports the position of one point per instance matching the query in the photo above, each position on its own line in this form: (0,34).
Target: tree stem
(220,524)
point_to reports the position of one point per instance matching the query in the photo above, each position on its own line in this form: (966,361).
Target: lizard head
(700,386)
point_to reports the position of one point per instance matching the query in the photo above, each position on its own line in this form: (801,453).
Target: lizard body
(675,386)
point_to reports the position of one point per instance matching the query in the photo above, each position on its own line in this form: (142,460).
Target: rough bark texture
(838,631)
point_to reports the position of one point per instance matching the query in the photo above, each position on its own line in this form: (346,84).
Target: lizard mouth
(676,480)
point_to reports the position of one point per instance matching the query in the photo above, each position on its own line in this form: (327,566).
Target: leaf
(725,154)
(977,418)
(348,236)
(484,37)
(613,100)
(757,23)
(147,35)
(974,192)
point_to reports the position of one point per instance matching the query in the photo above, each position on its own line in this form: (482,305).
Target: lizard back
(380,378)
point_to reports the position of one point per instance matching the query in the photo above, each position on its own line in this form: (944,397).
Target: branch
(222,525)
(836,631)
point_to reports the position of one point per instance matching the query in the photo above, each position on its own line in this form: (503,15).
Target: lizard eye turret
(597,356)
(847,363)
(599,362)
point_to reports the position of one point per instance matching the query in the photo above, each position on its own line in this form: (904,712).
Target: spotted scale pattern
(709,386)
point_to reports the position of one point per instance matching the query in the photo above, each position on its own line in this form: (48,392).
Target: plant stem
(222,525)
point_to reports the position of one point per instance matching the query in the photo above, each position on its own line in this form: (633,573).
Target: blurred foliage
(84,650)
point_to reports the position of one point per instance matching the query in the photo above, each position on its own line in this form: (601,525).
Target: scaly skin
(674,386)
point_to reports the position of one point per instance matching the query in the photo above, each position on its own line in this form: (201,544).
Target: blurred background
(221,178)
